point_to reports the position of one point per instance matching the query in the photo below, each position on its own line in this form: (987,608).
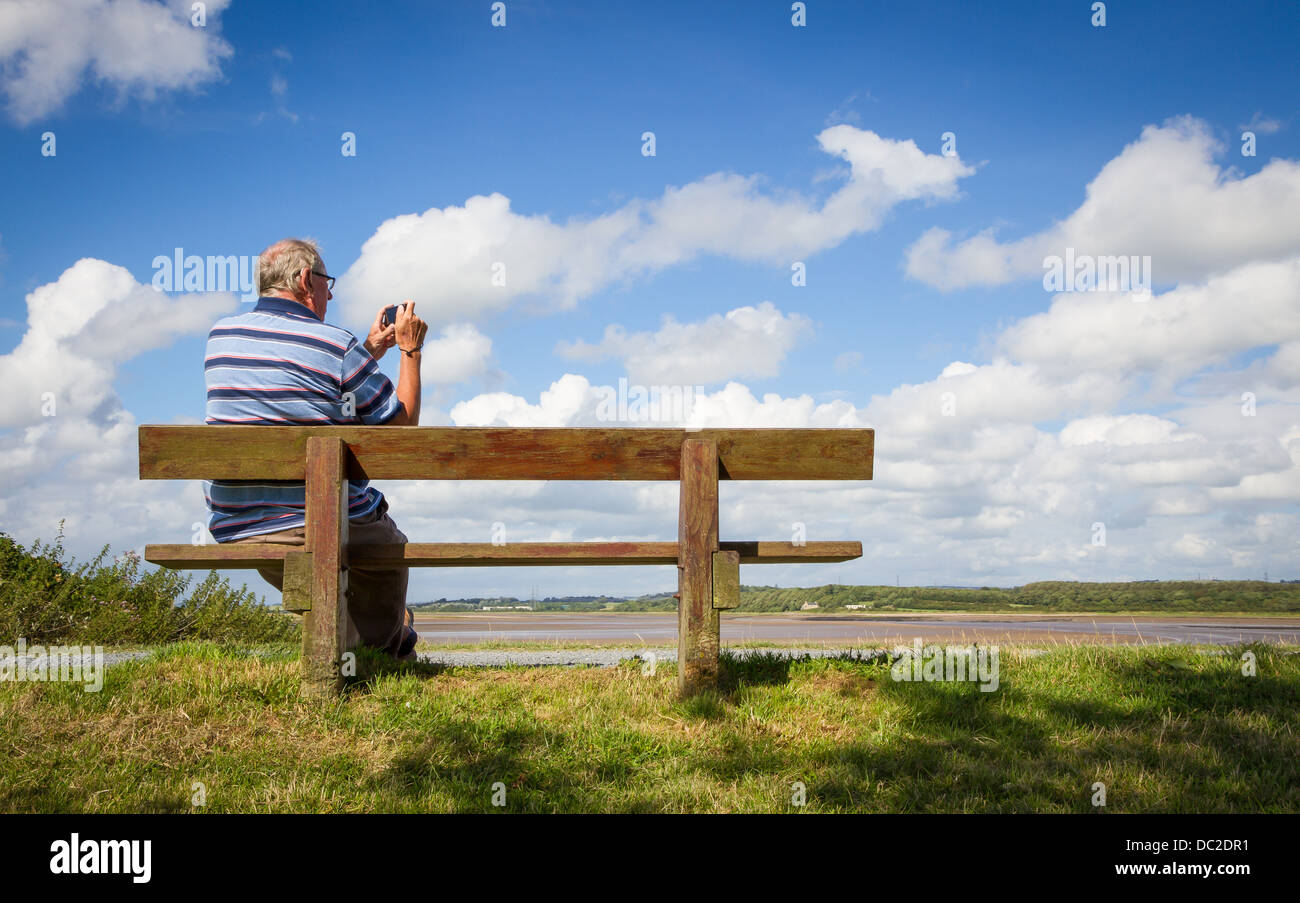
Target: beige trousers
(376,598)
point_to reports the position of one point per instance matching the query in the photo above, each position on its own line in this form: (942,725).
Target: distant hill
(551,603)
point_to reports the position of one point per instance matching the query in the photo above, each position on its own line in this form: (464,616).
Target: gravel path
(110,658)
(602,658)
(608,658)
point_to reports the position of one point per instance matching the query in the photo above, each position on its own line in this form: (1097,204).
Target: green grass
(1166,729)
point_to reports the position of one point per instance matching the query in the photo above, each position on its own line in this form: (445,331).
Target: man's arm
(408,392)
(410,331)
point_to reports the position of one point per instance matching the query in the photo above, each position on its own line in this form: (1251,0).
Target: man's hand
(410,329)
(381,337)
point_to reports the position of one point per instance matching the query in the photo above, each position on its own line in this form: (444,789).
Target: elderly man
(281,364)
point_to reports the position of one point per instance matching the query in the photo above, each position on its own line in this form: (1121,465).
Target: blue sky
(228,137)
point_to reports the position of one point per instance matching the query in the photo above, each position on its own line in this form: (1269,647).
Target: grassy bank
(1165,730)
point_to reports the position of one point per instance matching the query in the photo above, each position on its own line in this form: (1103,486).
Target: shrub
(46,599)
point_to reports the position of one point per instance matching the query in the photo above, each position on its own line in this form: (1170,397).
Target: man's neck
(304,303)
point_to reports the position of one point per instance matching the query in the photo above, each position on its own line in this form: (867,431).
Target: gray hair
(279,265)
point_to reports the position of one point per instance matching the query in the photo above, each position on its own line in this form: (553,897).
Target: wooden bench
(315,577)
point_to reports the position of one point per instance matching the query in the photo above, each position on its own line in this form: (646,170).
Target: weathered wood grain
(726,580)
(697,540)
(327,538)
(295,592)
(229,452)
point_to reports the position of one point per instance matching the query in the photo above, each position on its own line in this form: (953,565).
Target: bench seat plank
(249,555)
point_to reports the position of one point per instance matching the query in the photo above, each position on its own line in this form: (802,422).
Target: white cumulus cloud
(1163,197)
(463,262)
(48,48)
(80,327)
(743,342)
(67,443)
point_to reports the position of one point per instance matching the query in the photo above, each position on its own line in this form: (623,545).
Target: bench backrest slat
(229,452)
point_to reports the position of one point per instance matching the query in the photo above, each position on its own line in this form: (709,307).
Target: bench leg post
(325,625)
(697,538)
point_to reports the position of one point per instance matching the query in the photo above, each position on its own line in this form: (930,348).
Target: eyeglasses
(323,276)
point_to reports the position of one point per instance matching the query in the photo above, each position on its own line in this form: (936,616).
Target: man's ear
(304,281)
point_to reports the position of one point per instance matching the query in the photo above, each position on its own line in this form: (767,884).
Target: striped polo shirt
(280,365)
